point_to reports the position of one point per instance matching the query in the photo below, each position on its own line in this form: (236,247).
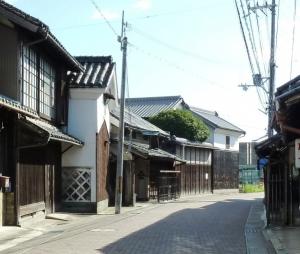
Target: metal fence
(249,175)
(167,188)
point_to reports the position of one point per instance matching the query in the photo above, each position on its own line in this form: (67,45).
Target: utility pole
(119,177)
(272,70)
(258,80)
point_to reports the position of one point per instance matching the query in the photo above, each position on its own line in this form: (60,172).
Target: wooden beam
(32,208)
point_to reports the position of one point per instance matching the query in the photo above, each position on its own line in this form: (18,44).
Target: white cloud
(108,14)
(143,4)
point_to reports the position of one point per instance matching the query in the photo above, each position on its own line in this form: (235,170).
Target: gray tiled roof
(54,132)
(33,24)
(133,120)
(97,72)
(152,153)
(151,106)
(289,89)
(187,142)
(16,106)
(212,118)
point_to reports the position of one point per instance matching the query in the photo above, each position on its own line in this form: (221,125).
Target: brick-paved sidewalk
(207,224)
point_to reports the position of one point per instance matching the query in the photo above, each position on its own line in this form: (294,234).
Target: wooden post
(17,171)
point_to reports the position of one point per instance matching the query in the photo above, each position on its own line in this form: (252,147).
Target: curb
(275,241)
(256,242)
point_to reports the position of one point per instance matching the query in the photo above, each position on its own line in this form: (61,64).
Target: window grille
(30,72)
(76,184)
(47,89)
(38,88)
(227,142)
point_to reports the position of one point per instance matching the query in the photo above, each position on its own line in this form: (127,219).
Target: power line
(173,65)
(106,20)
(253,39)
(260,42)
(277,25)
(84,25)
(293,38)
(171,47)
(244,37)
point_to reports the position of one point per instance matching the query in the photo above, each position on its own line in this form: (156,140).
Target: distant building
(223,135)
(247,154)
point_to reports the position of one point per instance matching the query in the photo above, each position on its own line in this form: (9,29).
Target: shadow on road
(214,228)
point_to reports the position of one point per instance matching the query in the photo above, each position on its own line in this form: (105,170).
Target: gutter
(288,93)
(290,129)
(283,127)
(72,60)
(44,33)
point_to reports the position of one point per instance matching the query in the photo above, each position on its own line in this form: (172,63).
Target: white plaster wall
(220,139)
(83,123)
(87,112)
(210,138)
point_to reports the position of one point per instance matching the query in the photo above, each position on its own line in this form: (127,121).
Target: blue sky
(191,48)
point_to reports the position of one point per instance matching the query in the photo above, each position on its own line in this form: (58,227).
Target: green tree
(181,123)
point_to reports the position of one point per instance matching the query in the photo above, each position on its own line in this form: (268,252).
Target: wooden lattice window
(76,184)
(30,81)
(47,89)
(38,87)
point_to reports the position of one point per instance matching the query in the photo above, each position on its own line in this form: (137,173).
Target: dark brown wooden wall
(193,179)
(32,184)
(225,170)
(37,169)
(102,163)
(8,63)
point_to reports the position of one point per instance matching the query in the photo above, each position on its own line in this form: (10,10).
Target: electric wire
(277,25)
(103,16)
(171,47)
(173,65)
(251,33)
(293,37)
(260,42)
(244,37)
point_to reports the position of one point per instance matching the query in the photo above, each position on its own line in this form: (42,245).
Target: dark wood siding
(32,184)
(9,62)
(102,163)
(193,179)
(226,170)
(37,167)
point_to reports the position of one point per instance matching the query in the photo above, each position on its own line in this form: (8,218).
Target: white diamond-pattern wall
(76,184)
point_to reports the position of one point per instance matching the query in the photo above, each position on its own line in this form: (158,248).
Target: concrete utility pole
(119,177)
(272,70)
(257,78)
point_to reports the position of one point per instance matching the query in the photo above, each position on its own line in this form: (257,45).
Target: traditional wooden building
(33,112)
(85,170)
(224,136)
(149,170)
(196,175)
(282,177)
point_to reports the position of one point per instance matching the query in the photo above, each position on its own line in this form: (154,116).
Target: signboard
(297,153)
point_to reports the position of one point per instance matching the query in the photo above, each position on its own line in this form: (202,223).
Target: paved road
(209,224)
